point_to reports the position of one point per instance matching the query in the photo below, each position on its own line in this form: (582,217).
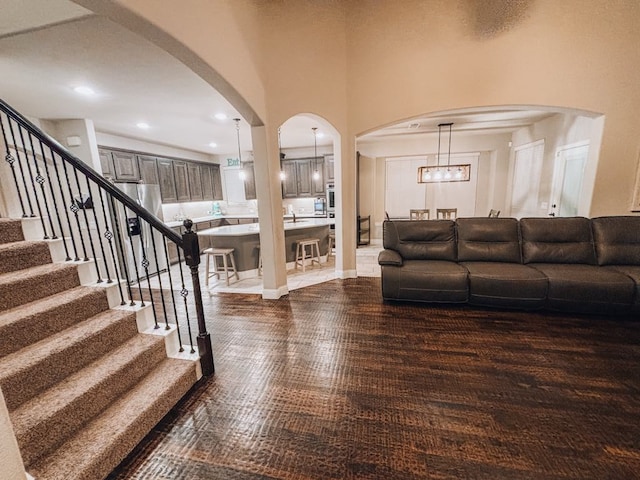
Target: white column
(269,193)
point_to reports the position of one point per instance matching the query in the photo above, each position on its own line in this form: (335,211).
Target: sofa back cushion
(421,239)
(617,240)
(488,240)
(557,240)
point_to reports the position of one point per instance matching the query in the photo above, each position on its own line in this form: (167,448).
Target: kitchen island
(245,240)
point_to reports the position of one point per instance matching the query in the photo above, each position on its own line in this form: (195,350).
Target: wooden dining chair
(447,213)
(494,213)
(419,214)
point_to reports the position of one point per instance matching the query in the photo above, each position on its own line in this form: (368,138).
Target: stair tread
(46,304)
(7,278)
(33,369)
(57,396)
(33,354)
(105,442)
(41,423)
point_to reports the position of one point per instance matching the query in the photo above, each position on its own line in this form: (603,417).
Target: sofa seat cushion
(633,272)
(587,288)
(504,284)
(425,281)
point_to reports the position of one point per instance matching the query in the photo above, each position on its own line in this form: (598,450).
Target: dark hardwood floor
(332,383)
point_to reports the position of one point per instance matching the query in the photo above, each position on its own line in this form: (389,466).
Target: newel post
(192,259)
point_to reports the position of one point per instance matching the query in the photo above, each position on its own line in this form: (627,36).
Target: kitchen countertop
(254,228)
(178,223)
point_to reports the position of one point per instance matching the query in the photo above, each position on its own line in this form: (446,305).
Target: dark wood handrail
(103,183)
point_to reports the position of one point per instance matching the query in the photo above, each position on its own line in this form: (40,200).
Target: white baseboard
(274,294)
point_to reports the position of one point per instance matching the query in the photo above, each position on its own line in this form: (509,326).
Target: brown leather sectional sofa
(567,264)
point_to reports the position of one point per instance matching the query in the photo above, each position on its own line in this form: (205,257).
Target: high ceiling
(50,47)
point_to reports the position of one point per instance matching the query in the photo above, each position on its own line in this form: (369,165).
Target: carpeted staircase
(82,385)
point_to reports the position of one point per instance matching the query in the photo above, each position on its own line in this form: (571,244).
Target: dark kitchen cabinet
(290,182)
(249,181)
(299,178)
(125,167)
(206,175)
(328,169)
(106,163)
(167,181)
(182,181)
(195,181)
(148,169)
(217,182)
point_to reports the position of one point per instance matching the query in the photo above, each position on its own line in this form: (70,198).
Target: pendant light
(242,174)
(450,173)
(283,176)
(316,174)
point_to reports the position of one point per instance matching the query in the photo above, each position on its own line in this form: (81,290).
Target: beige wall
(433,56)
(367,63)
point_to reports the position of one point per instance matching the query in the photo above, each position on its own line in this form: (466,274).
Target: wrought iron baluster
(155,255)
(33,182)
(185,293)
(86,220)
(53,197)
(98,234)
(173,299)
(145,264)
(109,236)
(135,260)
(118,238)
(24,181)
(64,202)
(10,159)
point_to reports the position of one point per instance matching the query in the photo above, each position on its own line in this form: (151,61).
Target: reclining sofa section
(566,264)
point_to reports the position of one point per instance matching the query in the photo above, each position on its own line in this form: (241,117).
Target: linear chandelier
(450,173)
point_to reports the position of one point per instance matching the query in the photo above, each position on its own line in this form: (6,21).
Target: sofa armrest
(389,257)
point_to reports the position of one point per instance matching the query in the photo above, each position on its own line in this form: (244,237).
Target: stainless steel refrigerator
(140,245)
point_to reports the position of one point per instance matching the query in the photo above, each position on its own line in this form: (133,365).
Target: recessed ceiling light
(143,125)
(221,116)
(213,144)
(84,90)
(319,134)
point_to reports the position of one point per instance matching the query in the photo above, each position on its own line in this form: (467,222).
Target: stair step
(37,367)
(10,230)
(32,322)
(97,449)
(20,255)
(42,424)
(18,288)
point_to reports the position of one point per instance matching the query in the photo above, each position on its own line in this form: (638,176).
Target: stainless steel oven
(331,200)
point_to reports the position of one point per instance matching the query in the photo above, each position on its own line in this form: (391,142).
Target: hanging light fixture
(452,173)
(316,174)
(242,174)
(283,176)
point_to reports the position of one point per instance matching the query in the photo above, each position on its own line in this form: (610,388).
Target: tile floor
(366,266)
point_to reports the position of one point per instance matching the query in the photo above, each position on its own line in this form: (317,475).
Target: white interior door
(525,187)
(567,180)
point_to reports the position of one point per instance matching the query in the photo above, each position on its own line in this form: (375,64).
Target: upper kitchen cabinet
(211,182)
(167,181)
(182,181)
(249,181)
(195,181)
(328,169)
(299,181)
(148,169)
(217,182)
(290,182)
(125,167)
(106,163)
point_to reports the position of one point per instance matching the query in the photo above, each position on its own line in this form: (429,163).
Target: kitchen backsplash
(180,211)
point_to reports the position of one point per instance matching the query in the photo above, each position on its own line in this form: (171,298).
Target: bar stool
(332,243)
(259,260)
(229,268)
(301,252)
